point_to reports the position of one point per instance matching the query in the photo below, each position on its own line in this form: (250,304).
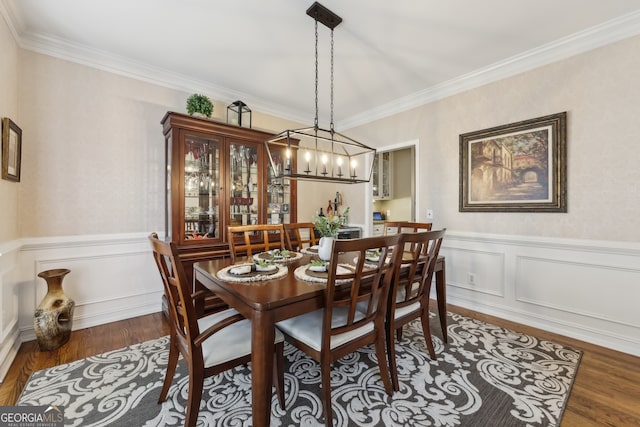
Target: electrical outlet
(471,278)
(429,214)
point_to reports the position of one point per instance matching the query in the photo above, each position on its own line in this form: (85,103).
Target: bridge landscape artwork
(515,167)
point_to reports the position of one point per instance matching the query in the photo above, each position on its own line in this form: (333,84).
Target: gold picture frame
(518,167)
(11,150)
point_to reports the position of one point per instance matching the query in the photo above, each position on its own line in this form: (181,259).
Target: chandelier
(314,153)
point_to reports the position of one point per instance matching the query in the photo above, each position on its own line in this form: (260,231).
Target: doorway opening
(399,200)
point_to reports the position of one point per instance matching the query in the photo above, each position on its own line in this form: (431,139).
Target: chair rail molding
(584,289)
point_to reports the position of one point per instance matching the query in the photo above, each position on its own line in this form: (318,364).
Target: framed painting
(519,167)
(11,150)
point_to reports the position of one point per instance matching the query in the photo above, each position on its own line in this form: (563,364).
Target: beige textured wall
(93,152)
(8,108)
(94,161)
(600,91)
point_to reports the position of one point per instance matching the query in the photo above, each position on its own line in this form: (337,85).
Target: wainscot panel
(579,288)
(9,303)
(112,277)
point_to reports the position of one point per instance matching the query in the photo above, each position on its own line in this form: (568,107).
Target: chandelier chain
(332,129)
(316,118)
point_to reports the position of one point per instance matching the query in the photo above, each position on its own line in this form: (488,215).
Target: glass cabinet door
(244,184)
(201,184)
(386,175)
(279,189)
(376,176)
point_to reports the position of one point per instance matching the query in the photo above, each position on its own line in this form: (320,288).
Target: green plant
(198,103)
(327,226)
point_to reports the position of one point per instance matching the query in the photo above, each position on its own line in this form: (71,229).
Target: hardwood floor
(606,391)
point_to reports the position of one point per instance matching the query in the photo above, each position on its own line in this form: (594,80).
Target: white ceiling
(389,55)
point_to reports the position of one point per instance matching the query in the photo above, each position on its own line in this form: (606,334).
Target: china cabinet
(381,176)
(219,175)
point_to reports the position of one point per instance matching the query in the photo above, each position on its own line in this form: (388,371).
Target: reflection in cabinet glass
(279,189)
(201,184)
(243,191)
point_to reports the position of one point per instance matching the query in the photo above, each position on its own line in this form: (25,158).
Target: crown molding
(127,67)
(600,35)
(591,38)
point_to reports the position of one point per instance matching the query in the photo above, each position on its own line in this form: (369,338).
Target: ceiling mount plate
(324,15)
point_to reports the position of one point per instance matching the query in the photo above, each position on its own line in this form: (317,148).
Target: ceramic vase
(325,247)
(54,315)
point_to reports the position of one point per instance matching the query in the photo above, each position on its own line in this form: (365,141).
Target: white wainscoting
(584,289)
(113,277)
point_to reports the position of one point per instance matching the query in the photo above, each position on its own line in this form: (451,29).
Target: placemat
(303,273)
(265,256)
(312,250)
(254,276)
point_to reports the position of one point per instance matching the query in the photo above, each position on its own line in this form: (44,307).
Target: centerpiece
(327,227)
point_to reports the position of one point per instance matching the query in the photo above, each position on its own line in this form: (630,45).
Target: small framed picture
(285,208)
(11,150)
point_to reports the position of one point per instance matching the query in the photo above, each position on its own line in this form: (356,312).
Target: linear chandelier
(314,153)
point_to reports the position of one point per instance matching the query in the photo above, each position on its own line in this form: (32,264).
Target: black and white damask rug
(484,376)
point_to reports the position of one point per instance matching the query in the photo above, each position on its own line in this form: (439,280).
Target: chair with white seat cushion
(409,298)
(210,344)
(340,328)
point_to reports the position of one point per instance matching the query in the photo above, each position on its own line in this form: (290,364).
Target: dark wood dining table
(267,302)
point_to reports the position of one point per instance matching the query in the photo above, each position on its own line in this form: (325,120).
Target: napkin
(241,269)
(343,270)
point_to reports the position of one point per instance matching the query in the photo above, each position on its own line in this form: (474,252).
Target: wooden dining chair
(245,240)
(397,227)
(410,291)
(209,344)
(300,235)
(340,328)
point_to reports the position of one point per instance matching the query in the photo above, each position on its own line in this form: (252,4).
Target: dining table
(266,302)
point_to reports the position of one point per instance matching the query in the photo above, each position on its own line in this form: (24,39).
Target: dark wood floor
(606,391)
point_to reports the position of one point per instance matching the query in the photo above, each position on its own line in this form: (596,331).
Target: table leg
(441,297)
(262,350)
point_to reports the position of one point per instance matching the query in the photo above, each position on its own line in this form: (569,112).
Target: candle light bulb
(287,153)
(339,162)
(307,157)
(324,159)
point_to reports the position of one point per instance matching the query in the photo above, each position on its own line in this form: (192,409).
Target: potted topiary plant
(198,103)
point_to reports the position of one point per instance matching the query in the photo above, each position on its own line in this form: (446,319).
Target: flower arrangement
(327,226)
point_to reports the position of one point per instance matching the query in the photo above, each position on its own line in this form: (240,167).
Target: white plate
(266,268)
(318,268)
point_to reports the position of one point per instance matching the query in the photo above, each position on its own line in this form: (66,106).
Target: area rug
(485,376)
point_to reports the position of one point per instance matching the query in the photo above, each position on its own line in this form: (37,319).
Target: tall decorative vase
(325,247)
(54,315)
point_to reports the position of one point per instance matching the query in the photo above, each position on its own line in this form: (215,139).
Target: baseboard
(8,350)
(603,338)
(101,317)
